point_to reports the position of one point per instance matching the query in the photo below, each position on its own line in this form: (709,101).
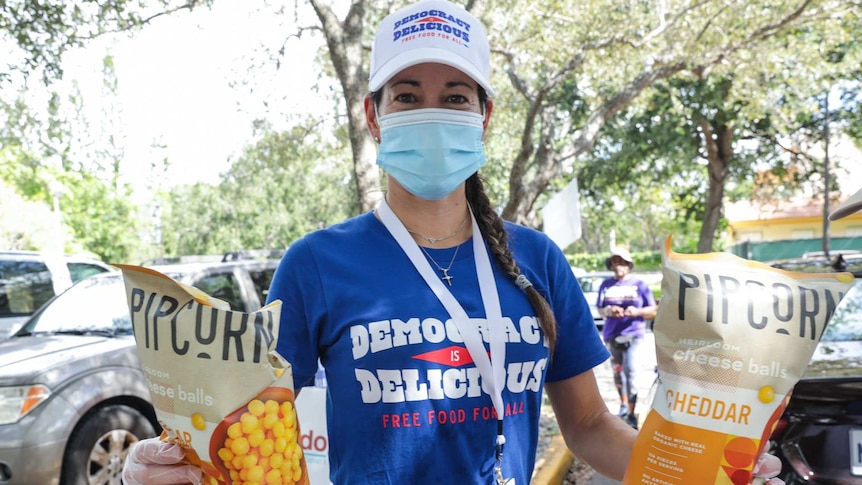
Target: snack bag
(732,337)
(219,388)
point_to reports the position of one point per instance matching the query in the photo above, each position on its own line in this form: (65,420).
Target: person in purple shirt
(626,303)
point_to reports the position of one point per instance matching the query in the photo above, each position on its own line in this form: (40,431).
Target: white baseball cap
(622,253)
(431,31)
(851,205)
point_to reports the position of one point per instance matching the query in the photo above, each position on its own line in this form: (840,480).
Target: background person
(626,303)
(437,323)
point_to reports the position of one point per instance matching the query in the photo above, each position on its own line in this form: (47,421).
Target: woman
(438,323)
(626,302)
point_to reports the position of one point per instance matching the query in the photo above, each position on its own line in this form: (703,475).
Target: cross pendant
(446,276)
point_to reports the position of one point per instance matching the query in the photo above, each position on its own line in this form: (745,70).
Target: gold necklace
(432,240)
(446,276)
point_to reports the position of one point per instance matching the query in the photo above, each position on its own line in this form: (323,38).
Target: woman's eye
(457,99)
(405,98)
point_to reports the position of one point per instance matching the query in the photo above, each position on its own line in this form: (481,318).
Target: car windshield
(590,284)
(24,287)
(846,324)
(95,305)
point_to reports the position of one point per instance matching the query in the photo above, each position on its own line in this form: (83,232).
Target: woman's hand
(614,311)
(155,462)
(766,468)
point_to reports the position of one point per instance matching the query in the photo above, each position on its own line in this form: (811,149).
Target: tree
(102,217)
(44,31)
(24,224)
(52,144)
(94,216)
(609,51)
(564,71)
(682,142)
(344,40)
(618,51)
(282,187)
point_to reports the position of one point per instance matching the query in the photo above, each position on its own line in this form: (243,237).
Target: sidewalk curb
(554,464)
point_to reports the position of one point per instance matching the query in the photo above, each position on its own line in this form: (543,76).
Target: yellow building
(787,229)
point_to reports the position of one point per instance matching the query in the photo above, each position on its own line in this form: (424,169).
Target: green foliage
(599,51)
(95,216)
(44,31)
(47,164)
(651,160)
(282,187)
(643,178)
(103,219)
(645,261)
(20,170)
(641,173)
(25,224)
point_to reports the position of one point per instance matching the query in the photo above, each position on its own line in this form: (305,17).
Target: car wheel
(99,445)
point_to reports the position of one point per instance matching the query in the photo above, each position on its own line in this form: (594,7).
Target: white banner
(311,411)
(562,216)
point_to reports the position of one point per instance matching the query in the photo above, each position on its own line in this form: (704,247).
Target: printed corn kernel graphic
(259,444)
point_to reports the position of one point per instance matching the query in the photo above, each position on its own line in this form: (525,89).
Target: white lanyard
(492,369)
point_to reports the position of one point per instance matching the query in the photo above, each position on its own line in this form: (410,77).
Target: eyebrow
(449,84)
(409,82)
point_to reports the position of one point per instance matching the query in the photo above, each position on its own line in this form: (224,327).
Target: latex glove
(766,468)
(155,462)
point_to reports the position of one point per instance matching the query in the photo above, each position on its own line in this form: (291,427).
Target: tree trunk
(718,141)
(344,41)
(525,191)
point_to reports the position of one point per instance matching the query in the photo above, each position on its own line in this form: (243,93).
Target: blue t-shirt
(629,291)
(405,403)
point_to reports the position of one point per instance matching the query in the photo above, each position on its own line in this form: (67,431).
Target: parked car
(590,283)
(28,279)
(73,397)
(819,436)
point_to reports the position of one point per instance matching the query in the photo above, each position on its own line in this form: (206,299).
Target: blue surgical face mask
(430,152)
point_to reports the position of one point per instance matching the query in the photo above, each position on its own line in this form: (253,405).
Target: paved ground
(601,480)
(644,379)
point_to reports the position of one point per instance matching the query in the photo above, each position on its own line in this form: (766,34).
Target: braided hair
(491,227)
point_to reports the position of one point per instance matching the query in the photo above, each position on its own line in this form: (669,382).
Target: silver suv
(73,397)
(28,279)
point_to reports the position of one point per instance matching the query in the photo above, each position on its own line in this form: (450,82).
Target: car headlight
(16,402)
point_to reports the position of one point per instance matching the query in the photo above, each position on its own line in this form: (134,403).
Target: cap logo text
(431,21)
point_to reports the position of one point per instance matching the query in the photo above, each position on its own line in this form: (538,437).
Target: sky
(174,86)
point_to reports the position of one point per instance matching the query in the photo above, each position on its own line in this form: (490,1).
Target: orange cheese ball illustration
(199,422)
(262,447)
(766,394)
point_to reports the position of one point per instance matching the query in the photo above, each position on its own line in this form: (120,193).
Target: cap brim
(413,57)
(623,253)
(851,205)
